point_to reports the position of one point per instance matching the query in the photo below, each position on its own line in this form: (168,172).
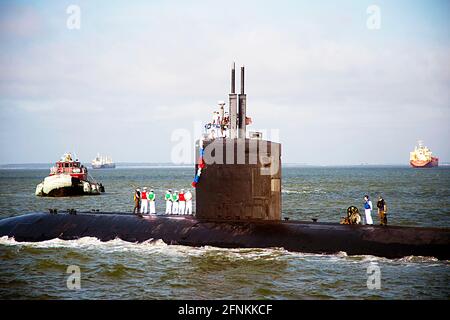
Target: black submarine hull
(297,236)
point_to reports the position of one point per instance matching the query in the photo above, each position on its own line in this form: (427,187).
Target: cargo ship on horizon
(422,157)
(101,162)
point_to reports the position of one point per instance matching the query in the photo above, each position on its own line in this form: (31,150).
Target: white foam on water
(246,253)
(420,259)
(158,246)
(150,246)
(405,261)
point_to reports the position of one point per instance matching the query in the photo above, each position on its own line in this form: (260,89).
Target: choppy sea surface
(153,270)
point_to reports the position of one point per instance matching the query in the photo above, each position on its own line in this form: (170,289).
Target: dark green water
(153,270)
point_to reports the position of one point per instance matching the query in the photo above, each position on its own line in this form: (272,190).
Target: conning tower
(241,178)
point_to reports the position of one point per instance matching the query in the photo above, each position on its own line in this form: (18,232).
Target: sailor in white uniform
(175,202)
(368,210)
(188,198)
(181,202)
(144,201)
(168,198)
(151,199)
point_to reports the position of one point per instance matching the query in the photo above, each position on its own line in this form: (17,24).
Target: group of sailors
(218,127)
(353,216)
(143,200)
(179,203)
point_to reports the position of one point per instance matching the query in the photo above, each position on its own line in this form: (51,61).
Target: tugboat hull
(434,162)
(67,192)
(323,238)
(65,185)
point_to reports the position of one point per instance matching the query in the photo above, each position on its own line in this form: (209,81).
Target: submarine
(296,236)
(238,205)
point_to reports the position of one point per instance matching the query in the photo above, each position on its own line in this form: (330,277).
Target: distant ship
(422,157)
(101,162)
(68,178)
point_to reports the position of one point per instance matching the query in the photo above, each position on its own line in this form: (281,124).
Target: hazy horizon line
(170,164)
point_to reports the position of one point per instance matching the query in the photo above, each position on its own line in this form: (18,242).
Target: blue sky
(136,71)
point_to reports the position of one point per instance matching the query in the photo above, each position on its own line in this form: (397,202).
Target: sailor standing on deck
(151,199)
(382,211)
(188,198)
(175,202)
(368,209)
(168,198)
(224,125)
(221,111)
(137,201)
(144,201)
(181,202)
(215,117)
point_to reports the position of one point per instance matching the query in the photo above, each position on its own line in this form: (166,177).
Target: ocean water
(154,270)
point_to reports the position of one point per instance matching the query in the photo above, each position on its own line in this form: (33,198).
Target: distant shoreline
(119,165)
(131,165)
